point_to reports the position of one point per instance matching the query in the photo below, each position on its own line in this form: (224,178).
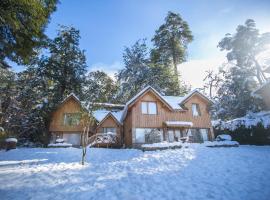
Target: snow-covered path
(190,173)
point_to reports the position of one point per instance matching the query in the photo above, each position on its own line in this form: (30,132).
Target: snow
(11,140)
(178,123)
(251,119)
(59,140)
(163,144)
(60,145)
(220,143)
(196,172)
(102,113)
(224,137)
(174,101)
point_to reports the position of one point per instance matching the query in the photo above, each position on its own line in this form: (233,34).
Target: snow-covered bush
(223,137)
(254,128)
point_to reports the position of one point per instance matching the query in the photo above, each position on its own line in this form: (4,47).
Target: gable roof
(172,102)
(106,117)
(192,93)
(101,114)
(139,94)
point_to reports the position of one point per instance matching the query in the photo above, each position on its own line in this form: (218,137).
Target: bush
(255,135)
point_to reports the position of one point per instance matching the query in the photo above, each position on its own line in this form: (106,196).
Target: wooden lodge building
(168,118)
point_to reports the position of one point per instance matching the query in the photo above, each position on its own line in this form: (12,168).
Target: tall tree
(66,64)
(234,96)
(22,25)
(99,87)
(245,45)
(171,40)
(140,72)
(133,77)
(44,84)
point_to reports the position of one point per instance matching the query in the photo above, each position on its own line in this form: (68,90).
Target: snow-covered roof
(174,101)
(195,91)
(179,123)
(71,95)
(102,113)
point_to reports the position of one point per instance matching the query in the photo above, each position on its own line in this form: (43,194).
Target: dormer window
(196,110)
(149,108)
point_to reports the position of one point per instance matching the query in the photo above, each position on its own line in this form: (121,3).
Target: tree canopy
(22,25)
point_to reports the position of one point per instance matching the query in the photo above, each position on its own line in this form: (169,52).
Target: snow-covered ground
(190,173)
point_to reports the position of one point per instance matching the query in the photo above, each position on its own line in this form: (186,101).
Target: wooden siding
(128,130)
(135,118)
(57,120)
(164,114)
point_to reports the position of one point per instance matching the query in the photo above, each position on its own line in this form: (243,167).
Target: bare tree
(212,81)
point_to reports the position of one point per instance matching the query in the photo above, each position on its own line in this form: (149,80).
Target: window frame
(198,110)
(148,103)
(65,119)
(105,130)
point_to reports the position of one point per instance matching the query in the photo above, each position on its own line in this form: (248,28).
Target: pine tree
(171,40)
(133,77)
(99,87)
(22,25)
(66,65)
(245,45)
(234,96)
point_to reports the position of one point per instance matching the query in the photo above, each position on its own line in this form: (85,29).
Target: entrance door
(204,134)
(171,135)
(72,138)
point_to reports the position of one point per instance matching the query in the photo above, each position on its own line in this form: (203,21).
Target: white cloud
(194,71)
(110,69)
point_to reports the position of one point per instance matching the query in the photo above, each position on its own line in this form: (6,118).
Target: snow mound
(221,144)
(60,145)
(11,140)
(59,140)
(162,145)
(224,137)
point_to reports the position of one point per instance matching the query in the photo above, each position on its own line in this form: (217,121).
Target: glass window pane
(140,135)
(144,107)
(152,107)
(194,110)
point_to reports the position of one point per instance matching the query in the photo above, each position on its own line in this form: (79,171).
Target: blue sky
(107,26)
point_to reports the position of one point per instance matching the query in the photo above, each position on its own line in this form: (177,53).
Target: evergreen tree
(99,87)
(22,25)
(245,45)
(234,96)
(44,84)
(133,77)
(8,91)
(140,72)
(66,64)
(171,40)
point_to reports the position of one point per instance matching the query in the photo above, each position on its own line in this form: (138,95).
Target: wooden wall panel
(164,114)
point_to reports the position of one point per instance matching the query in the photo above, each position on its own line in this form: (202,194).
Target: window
(149,108)
(72,119)
(148,135)
(196,110)
(109,130)
(144,108)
